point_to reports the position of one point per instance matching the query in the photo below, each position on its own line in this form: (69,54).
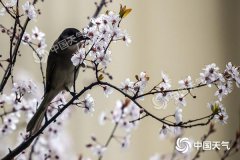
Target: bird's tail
(34,124)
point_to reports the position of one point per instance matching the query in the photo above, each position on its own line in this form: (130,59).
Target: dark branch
(27,142)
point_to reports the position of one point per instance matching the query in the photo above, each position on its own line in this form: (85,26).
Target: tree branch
(28,141)
(110,138)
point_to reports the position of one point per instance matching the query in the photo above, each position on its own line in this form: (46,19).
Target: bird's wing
(51,64)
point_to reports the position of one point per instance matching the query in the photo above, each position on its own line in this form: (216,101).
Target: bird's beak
(82,38)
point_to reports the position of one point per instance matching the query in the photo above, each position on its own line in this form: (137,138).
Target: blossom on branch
(29,9)
(78,57)
(186,83)
(37,34)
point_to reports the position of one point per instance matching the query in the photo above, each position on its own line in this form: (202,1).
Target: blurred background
(177,37)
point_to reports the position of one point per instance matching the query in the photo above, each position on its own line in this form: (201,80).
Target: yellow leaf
(215,108)
(100,77)
(126,12)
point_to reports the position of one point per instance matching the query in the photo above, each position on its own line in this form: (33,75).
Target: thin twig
(32,148)
(40,65)
(8,71)
(200,150)
(110,138)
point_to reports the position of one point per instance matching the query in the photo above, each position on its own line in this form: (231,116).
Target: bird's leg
(68,90)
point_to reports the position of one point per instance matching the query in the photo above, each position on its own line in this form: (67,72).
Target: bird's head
(72,36)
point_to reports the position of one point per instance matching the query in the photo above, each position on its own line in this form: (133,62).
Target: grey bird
(60,73)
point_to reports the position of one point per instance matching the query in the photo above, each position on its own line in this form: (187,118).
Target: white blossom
(221,92)
(178,115)
(78,57)
(164,131)
(26,38)
(107,90)
(9,123)
(11,3)
(92,33)
(220,112)
(88,104)
(125,141)
(221,117)
(211,74)
(98,150)
(234,72)
(228,86)
(37,34)
(103,58)
(127,86)
(102,118)
(41,50)
(97,48)
(176,131)
(23,87)
(166,82)
(124,112)
(186,83)
(117,112)
(180,100)
(103,30)
(126,38)
(29,9)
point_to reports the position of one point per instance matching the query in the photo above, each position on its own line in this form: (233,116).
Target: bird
(60,73)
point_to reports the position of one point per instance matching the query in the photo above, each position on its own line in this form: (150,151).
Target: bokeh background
(178,37)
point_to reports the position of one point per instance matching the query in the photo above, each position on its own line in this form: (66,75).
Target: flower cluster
(27,7)
(135,88)
(47,144)
(29,10)
(9,5)
(12,109)
(87,104)
(16,103)
(19,105)
(124,114)
(210,76)
(37,38)
(233,73)
(96,148)
(57,103)
(162,98)
(171,130)
(47,147)
(101,31)
(24,87)
(219,111)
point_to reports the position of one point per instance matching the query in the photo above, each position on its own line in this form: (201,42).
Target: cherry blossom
(107,90)
(29,9)
(178,115)
(186,83)
(88,104)
(26,38)
(78,58)
(37,34)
